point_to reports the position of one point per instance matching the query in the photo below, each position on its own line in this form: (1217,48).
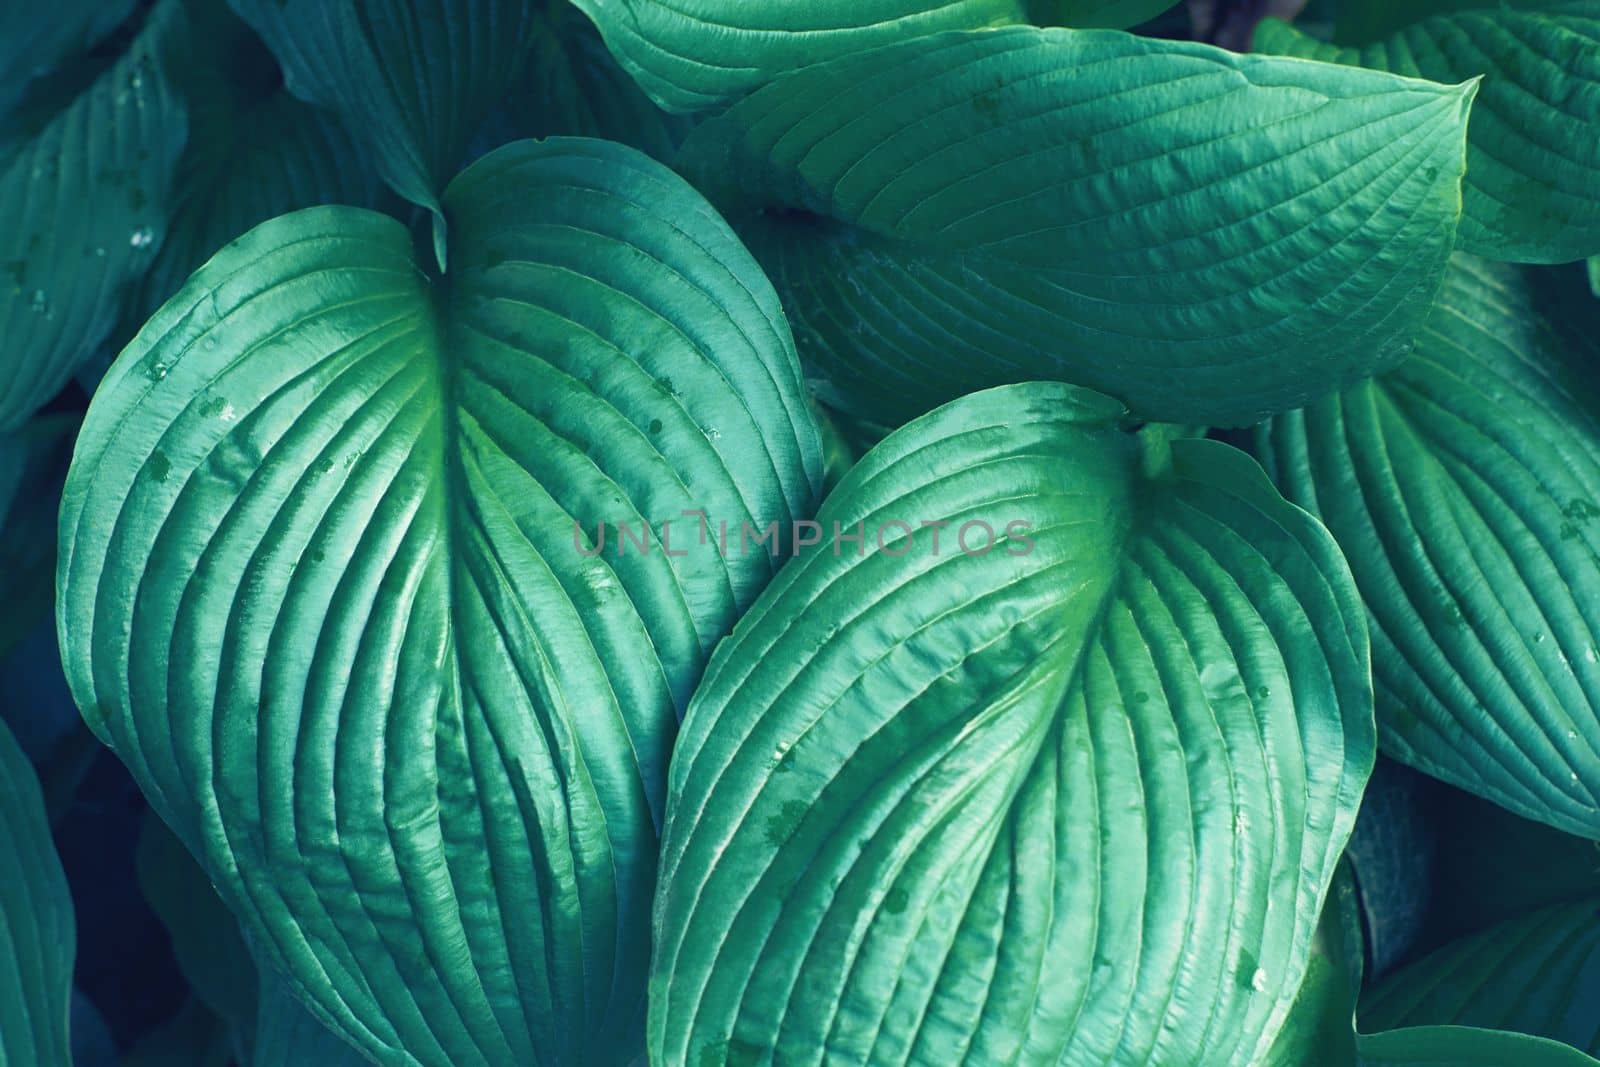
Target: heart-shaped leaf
(1536,974)
(414,79)
(996,798)
(37,931)
(1205,236)
(288,1036)
(84,197)
(1464,487)
(1320,1028)
(1532,192)
(323,591)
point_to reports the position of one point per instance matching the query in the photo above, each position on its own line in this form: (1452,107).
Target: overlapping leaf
(253,152)
(1207,237)
(34,38)
(1465,1046)
(573,87)
(1535,974)
(693,56)
(85,199)
(1074,795)
(323,591)
(37,933)
(1532,191)
(415,79)
(1465,488)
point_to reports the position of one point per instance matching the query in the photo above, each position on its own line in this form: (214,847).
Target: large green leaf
(998,804)
(322,588)
(1208,237)
(37,932)
(33,462)
(85,201)
(1535,974)
(1532,192)
(1464,1046)
(414,79)
(1465,488)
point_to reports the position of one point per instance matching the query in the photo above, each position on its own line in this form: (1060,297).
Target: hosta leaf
(691,56)
(85,203)
(1532,191)
(1465,488)
(254,152)
(33,462)
(1108,14)
(415,79)
(322,590)
(34,38)
(1536,974)
(935,805)
(37,933)
(1463,1046)
(1207,237)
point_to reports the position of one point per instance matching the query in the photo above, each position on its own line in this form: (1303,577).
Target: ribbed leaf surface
(85,202)
(1074,799)
(1537,974)
(695,54)
(37,932)
(1205,236)
(1464,486)
(1532,192)
(323,592)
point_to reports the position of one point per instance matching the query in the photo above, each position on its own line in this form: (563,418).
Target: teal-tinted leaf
(414,79)
(33,462)
(1536,974)
(1594,275)
(1465,488)
(37,931)
(1463,1046)
(34,38)
(692,56)
(997,805)
(85,199)
(206,943)
(254,152)
(1208,237)
(573,87)
(1532,192)
(323,592)
(288,1036)
(1108,14)
(1320,1029)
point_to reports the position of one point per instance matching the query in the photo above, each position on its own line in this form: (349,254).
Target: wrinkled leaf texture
(322,592)
(1205,236)
(1073,804)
